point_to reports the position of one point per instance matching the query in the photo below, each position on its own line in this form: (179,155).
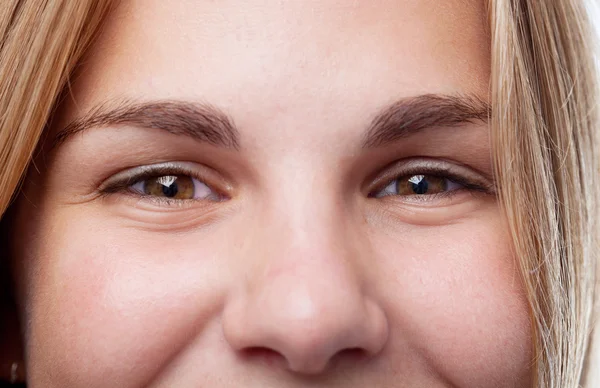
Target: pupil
(170,191)
(419,184)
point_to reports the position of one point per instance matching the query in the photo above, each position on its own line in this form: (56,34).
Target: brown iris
(170,186)
(421,185)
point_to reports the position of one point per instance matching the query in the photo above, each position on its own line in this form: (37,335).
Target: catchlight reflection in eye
(419,184)
(172,187)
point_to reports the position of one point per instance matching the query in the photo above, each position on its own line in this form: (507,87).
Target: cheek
(114,302)
(458,300)
(111,304)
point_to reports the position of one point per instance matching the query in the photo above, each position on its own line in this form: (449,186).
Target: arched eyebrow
(206,123)
(200,121)
(411,115)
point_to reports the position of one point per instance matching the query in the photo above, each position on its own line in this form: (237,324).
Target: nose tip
(305,329)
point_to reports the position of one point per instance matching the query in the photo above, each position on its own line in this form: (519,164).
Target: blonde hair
(40,44)
(545,136)
(543,127)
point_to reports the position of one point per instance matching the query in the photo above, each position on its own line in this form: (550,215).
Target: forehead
(287,61)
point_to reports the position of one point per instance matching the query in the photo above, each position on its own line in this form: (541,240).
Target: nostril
(264,355)
(350,355)
(305,332)
(274,359)
(353,353)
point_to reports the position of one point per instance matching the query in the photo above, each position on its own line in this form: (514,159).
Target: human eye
(430,180)
(419,184)
(166,183)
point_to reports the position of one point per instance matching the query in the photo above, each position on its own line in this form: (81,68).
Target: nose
(305,303)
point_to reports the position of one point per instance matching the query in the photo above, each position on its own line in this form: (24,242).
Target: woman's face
(273,194)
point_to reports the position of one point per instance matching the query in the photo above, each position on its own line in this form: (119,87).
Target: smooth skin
(302,258)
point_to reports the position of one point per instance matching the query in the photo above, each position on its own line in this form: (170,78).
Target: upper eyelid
(454,171)
(130,176)
(207,175)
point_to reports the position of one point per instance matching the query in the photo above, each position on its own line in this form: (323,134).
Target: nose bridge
(307,206)
(311,261)
(305,301)
(309,229)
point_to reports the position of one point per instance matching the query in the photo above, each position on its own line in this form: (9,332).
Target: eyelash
(434,170)
(124,185)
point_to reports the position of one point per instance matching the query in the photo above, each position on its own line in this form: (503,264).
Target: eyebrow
(201,121)
(206,123)
(415,114)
